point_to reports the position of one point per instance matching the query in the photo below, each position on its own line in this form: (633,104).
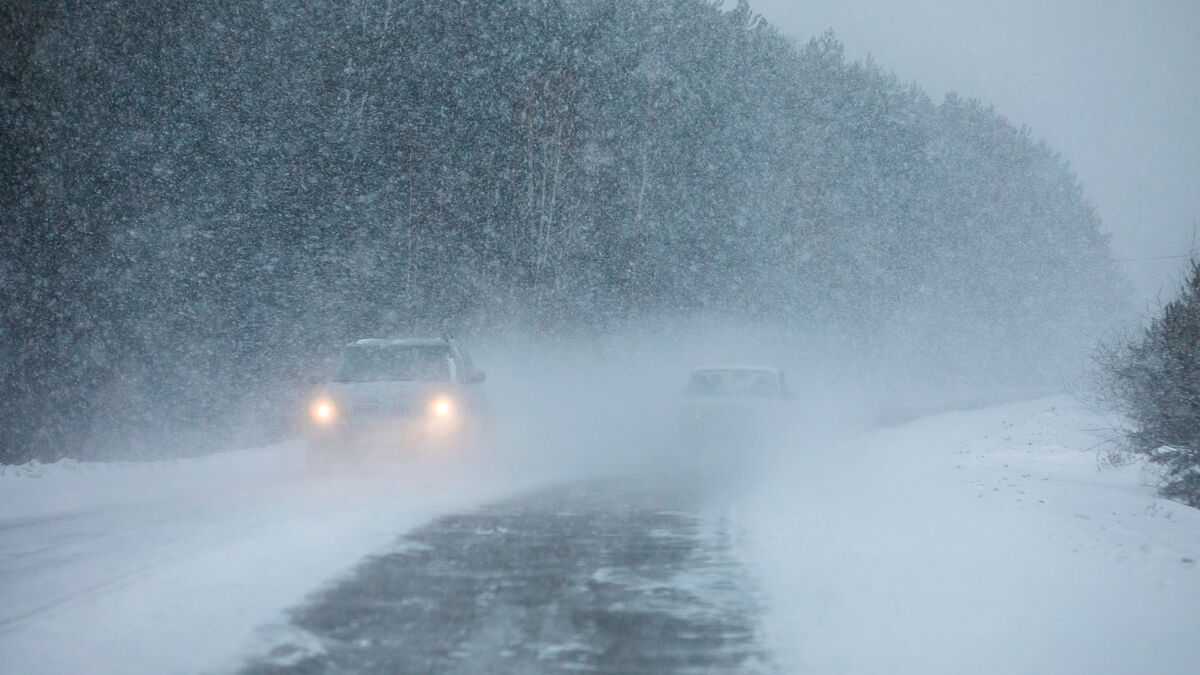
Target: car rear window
(732,382)
(420,363)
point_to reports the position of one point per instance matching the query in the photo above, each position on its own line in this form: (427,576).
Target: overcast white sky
(1114,85)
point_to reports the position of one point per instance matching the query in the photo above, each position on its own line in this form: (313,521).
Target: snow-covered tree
(1155,381)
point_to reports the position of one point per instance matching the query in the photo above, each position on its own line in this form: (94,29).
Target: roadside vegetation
(1153,379)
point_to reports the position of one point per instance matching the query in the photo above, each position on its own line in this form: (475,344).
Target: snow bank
(169,567)
(990,541)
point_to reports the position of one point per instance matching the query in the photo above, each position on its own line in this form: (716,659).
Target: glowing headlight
(323,411)
(442,406)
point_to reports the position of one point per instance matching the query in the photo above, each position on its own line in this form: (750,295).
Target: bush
(1154,379)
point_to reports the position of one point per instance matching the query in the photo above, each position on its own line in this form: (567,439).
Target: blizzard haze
(301,176)
(1112,85)
(202,204)
(615,405)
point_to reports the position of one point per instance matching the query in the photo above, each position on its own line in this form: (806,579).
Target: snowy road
(614,576)
(985,541)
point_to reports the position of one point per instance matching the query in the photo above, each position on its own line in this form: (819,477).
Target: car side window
(465,367)
(704,383)
(763,384)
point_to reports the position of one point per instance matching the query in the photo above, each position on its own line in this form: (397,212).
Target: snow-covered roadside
(168,567)
(988,541)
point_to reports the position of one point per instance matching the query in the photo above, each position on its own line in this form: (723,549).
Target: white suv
(397,394)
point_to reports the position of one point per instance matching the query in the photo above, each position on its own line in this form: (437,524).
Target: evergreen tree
(1155,381)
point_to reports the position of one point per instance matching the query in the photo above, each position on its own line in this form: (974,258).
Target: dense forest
(199,199)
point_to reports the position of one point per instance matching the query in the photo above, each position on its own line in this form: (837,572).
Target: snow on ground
(168,567)
(987,541)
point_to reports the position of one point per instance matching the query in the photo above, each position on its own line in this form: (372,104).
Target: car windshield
(734,382)
(421,363)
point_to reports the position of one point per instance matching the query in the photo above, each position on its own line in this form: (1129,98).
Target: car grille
(383,410)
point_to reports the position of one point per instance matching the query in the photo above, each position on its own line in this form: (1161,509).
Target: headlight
(323,411)
(442,406)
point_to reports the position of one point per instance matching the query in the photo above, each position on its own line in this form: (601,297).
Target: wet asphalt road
(604,576)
